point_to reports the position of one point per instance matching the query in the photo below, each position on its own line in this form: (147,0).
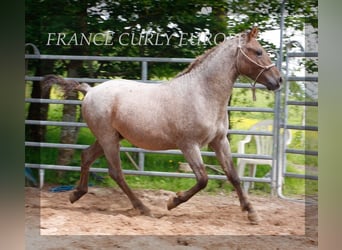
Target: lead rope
(255,81)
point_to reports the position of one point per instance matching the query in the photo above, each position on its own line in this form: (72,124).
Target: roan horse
(187,112)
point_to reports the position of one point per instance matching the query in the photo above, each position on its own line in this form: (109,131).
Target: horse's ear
(253,33)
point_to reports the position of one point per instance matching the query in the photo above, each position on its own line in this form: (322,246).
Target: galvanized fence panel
(144,78)
(285,124)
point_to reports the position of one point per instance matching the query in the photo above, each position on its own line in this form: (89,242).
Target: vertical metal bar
(144,70)
(281,155)
(41,178)
(141,161)
(276,129)
(275,183)
(144,76)
(287,88)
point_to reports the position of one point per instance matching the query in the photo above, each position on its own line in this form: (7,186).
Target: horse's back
(107,93)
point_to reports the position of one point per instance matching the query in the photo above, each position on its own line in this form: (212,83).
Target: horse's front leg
(193,155)
(222,150)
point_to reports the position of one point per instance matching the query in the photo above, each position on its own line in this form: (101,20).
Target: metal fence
(273,179)
(307,100)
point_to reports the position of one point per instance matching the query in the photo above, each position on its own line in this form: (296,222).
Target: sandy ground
(104,219)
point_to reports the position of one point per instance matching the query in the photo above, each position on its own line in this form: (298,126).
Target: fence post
(144,76)
(275,161)
(275,179)
(144,70)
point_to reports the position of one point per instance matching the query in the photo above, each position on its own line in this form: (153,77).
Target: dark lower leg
(244,202)
(224,156)
(112,152)
(87,158)
(186,195)
(193,156)
(118,176)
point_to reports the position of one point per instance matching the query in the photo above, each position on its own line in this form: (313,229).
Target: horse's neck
(217,73)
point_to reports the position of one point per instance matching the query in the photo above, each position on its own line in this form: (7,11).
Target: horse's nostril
(280,80)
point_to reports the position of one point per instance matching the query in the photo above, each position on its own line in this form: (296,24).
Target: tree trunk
(38,111)
(69,133)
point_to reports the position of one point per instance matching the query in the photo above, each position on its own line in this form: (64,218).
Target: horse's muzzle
(275,85)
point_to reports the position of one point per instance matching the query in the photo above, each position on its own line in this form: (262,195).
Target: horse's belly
(159,135)
(152,145)
(147,139)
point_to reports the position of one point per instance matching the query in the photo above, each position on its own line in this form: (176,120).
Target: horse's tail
(67,85)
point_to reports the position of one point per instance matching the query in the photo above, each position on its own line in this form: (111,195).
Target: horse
(187,112)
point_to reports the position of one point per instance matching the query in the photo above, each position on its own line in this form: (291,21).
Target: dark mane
(198,61)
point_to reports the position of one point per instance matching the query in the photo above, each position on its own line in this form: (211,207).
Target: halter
(263,67)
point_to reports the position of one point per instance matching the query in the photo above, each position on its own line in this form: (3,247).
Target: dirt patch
(204,222)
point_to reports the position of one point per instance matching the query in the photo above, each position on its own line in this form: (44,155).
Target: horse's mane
(198,61)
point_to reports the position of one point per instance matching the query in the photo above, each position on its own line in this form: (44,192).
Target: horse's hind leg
(222,150)
(193,155)
(89,155)
(111,149)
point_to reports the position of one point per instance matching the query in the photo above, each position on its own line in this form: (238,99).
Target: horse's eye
(259,52)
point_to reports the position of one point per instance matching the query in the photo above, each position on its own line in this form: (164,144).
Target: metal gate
(308,83)
(278,172)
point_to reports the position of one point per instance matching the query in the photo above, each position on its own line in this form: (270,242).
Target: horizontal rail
(140,59)
(248,132)
(82,124)
(248,86)
(303,78)
(78,79)
(301,152)
(301,103)
(251,109)
(53,101)
(140,150)
(78,102)
(100,80)
(89,80)
(301,176)
(55,123)
(301,127)
(138,172)
(110,58)
(302,54)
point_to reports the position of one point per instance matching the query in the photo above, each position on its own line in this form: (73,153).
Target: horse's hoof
(76,195)
(72,198)
(142,209)
(149,214)
(172,203)
(146,211)
(253,218)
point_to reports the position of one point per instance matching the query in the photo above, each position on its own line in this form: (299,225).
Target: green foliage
(138,18)
(266,14)
(311,65)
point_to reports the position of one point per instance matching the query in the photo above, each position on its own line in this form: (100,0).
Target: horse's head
(254,62)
